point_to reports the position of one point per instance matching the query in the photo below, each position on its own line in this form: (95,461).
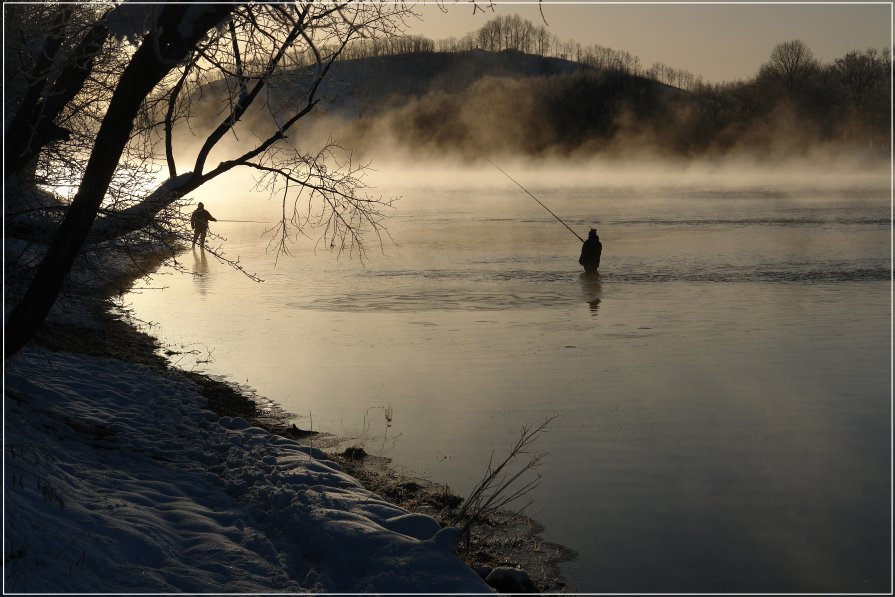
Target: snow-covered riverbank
(118,479)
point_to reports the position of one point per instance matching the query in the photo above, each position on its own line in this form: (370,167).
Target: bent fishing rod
(536,199)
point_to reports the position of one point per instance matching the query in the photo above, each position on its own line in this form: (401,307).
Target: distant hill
(362,83)
(476,102)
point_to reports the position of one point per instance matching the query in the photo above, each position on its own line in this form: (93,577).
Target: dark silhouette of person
(199,223)
(590,252)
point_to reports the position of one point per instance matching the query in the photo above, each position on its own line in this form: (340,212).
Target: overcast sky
(720,41)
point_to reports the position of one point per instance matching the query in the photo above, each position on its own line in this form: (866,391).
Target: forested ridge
(512,85)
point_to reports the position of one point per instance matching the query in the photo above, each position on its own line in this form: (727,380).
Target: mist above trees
(513,87)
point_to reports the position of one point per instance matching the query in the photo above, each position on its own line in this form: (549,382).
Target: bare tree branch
(496,489)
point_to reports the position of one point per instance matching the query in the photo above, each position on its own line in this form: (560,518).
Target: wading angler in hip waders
(591,249)
(199,223)
(590,252)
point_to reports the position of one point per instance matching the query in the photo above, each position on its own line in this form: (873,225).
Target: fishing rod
(536,199)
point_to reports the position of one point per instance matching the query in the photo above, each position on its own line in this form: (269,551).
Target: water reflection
(200,270)
(591,288)
(755,435)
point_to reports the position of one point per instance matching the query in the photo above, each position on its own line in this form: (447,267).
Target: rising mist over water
(465,106)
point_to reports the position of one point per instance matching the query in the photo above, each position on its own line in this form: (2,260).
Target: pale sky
(720,41)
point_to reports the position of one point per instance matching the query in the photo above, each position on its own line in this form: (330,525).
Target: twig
(497,490)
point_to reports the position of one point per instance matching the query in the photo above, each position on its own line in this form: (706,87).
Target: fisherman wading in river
(199,223)
(590,252)
(592,247)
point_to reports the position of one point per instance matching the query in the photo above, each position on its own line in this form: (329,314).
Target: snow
(118,480)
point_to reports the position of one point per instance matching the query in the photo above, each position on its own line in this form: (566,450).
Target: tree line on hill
(793,102)
(513,33)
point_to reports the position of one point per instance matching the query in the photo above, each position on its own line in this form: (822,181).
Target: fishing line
(247,221)
(536,199)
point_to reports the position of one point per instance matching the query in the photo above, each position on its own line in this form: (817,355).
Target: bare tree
(860,73)
(47,73)
(249,57)
(792,63)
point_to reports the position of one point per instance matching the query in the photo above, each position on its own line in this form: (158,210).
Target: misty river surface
(722,388)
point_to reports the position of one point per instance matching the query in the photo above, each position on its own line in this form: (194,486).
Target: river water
(722,390)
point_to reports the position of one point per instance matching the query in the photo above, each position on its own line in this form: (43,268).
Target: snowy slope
(117,480)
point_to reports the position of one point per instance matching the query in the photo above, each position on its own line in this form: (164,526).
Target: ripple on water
(463,290)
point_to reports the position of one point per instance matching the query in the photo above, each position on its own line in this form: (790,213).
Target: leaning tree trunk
(34,123)
(160,52)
